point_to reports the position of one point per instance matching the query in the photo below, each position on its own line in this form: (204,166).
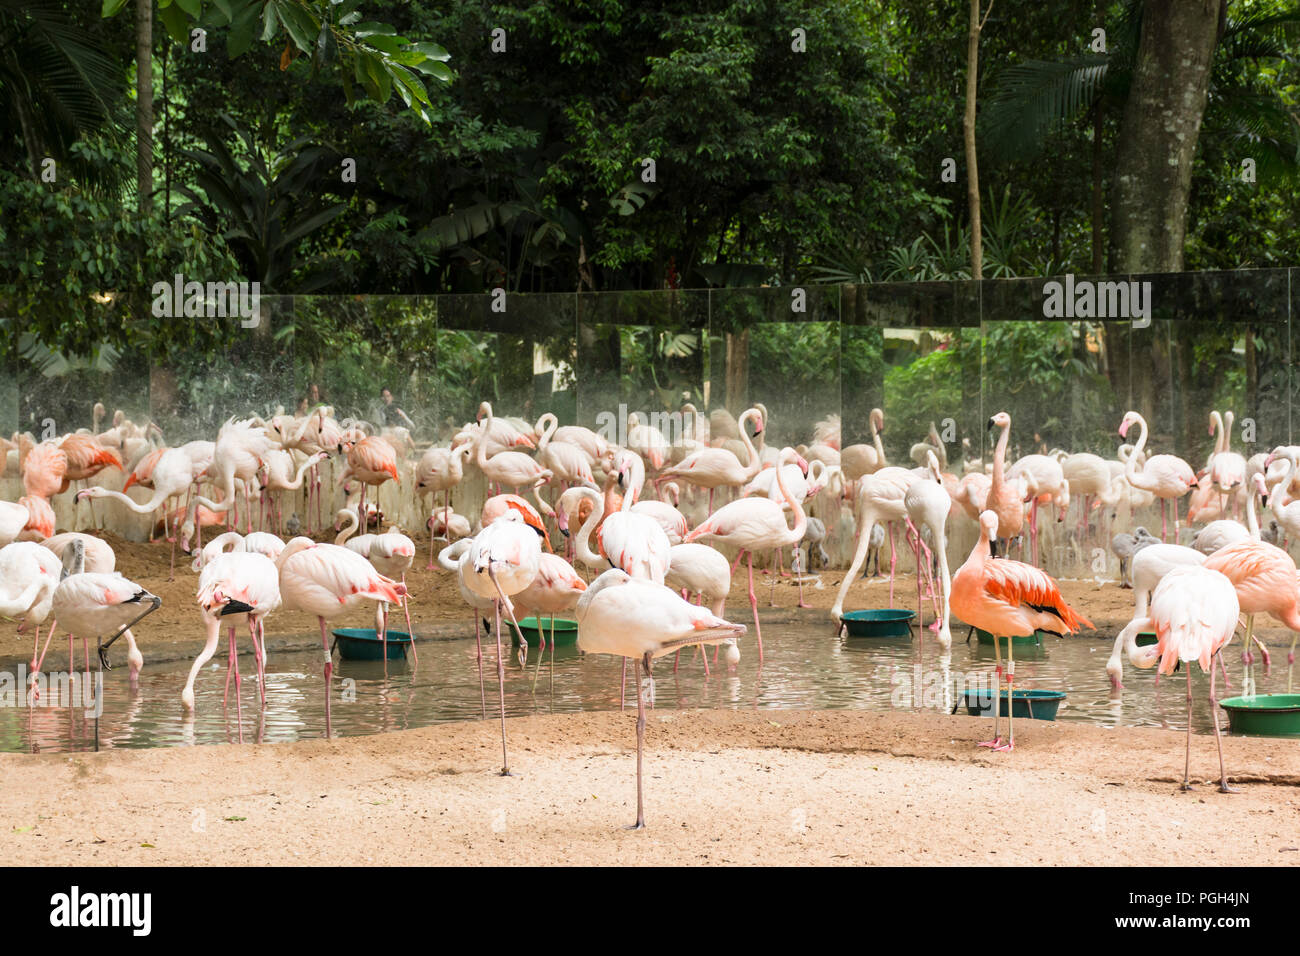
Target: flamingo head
(1127,423)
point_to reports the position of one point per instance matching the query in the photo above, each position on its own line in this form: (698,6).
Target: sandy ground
(175,631)
(812,787)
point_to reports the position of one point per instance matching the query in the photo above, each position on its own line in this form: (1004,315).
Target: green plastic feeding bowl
(566,631)
(1268,715)
(1035,704)
(881,622)
(1146,639)
(363,644)
(1025,640)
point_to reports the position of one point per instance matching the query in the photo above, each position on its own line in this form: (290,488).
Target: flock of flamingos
(622,513)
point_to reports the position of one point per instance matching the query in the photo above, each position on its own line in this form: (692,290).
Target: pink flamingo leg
(329,674)
(753,603)
(893,561)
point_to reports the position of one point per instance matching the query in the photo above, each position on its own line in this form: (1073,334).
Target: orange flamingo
(86,458)
(1193,612)
(1008,599)
(1004,497)
(40,518)
(43,469)
(372,461)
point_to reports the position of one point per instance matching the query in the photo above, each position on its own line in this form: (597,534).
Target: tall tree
(1158,134)
(144,105)
(968,127)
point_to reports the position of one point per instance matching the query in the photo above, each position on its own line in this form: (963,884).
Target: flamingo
(455,558)
(569,463)
(555,589)
(715,468)
(643,620)
(1008,599)
(927,504)
(372,461)
(1148,567)
(224,543)
(91,604)
(669,518)
(1004,497)
(279,465)
(263,542)
(504,558)
(879,500)
(392,554)
(171,478)
(1047,479)
(87,458)
(1226,468)
(13,519)
(40,518)
(752,524)
(511,469)
(441,469)
(29,574)
(1165,476)
(700,569)
(1194,613)
(859,460)
(1265,578)
(44,468)
(98,554)
(326,580)
(235,585)
(455,526)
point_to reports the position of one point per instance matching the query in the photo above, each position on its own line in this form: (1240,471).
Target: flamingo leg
(1187,755)
(893,562)
(501,683)
(997,697)
(1218,741)
(640,742)
(239,704)
(753,603)
(1011,695)
(478,656)
(329,673)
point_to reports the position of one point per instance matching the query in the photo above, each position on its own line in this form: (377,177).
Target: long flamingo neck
(800,519)
(1000,454)
(583,545)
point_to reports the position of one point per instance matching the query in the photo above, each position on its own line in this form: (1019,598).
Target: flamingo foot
(995,743)
(1007,746)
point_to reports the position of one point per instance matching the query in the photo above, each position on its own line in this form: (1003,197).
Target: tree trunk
(144,105)
(968,127)
(737,378)
(1158,133)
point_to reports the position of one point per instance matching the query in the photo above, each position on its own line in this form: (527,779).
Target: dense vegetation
(504,145)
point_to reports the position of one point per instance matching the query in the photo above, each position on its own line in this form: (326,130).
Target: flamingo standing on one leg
(504,558)
(1165,476)
(372,461)
(756,524)
(327,580)
(1194,613)
(1148,569)
(1008,599)
(642,620)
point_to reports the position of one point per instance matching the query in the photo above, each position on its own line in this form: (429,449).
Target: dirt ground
(175,630)
(811,787)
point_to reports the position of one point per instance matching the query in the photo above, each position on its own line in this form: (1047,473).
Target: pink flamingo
(29,573)
(43,469)
(327,580)
(643,620)
(502,560)
(40,518)
(555,589)
(86,458)
(1005,498)
(1008,599)
(1165,476)
(372,461)
(878,500)
(704,571)
(441,469)
(232,586)
(13,519)
(1226,468)
(1194,613)
(753,524)
(1265,579)
(715,468)
(171,476)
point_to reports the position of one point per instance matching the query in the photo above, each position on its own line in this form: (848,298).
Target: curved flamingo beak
(1123,428)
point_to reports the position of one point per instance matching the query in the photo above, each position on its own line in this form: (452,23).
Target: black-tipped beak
(236,607)
(564,531)
(991,425)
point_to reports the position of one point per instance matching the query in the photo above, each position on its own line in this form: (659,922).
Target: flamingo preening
(1008,599)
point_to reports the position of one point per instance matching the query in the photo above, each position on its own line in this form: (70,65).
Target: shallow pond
(806,666)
